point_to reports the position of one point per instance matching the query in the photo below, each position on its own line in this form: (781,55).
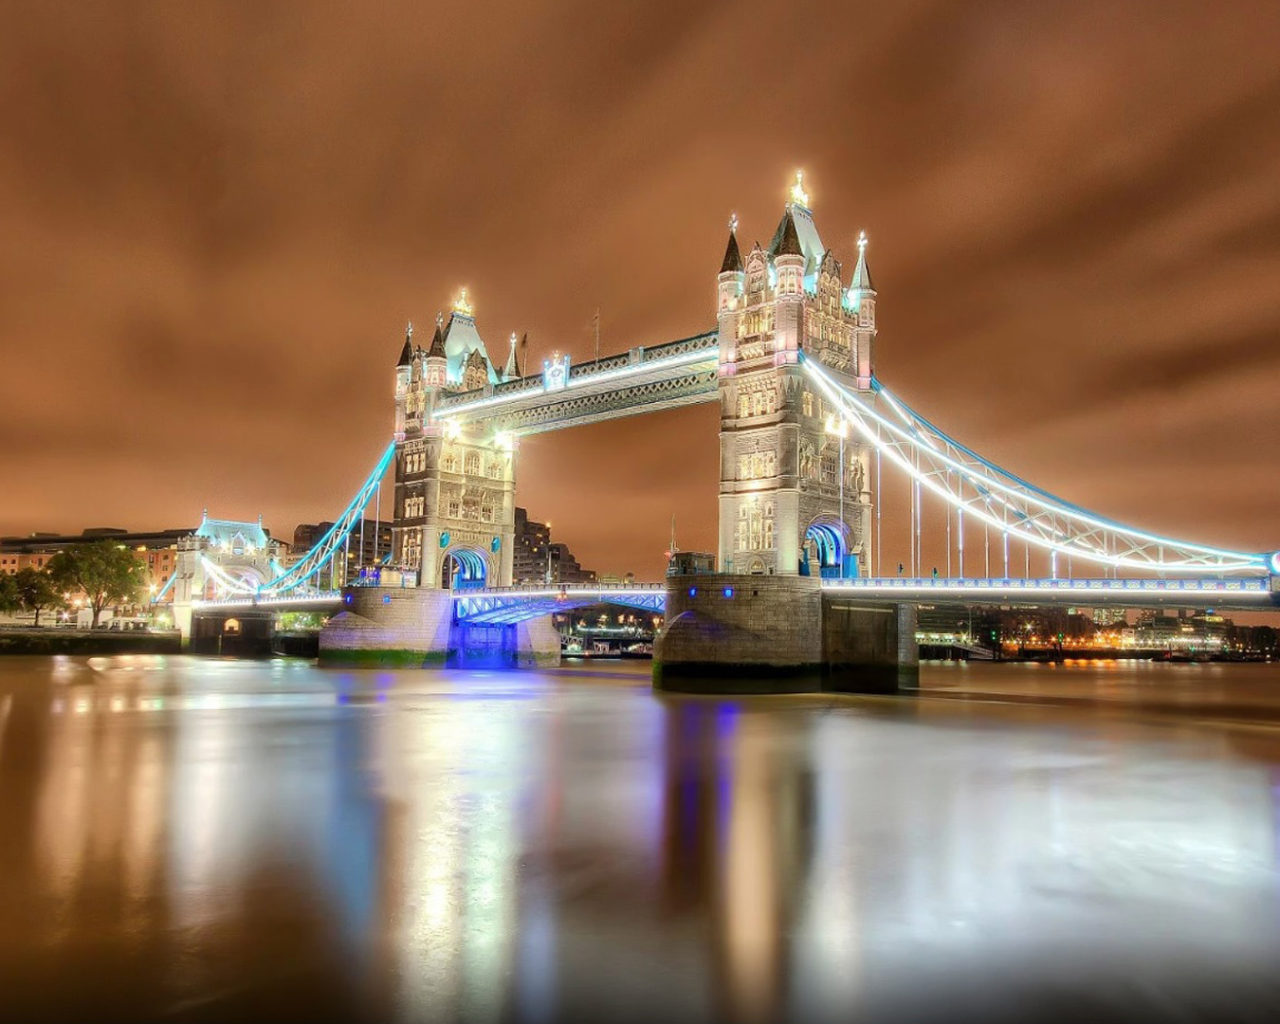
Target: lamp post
(839,428)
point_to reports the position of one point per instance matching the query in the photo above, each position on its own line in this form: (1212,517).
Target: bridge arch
(464,568)
(826,542)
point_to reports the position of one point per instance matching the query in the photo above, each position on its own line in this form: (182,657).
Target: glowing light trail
(1017,508)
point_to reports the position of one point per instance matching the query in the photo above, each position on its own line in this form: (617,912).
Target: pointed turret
(861,274)
(435,366)
(732,263)
(862,303)
(512,370)
(406,353)
(436,351)
(786,242)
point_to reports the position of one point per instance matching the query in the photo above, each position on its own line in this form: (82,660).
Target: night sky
(215,220)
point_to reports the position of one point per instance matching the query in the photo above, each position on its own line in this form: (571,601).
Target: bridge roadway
(507,605)
(515,604)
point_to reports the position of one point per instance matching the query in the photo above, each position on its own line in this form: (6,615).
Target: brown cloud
(217,218)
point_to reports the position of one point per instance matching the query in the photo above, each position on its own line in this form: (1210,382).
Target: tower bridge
(807,432)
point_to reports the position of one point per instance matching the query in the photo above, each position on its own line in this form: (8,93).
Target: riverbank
(56,640)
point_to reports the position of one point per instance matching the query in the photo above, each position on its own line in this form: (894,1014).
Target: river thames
(190,840)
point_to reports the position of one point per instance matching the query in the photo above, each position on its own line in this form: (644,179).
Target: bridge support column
(244,633)
(522,645)
(869,647)
(389,626)
(740,634)
(780,634)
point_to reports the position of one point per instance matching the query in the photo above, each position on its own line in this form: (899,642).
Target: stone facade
(793,490)
(454,518)
(772,634)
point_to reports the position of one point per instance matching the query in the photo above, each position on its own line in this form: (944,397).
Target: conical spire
(862,275)
(406,353)
(512,370)
(732,257)
(437,341)
(786,242)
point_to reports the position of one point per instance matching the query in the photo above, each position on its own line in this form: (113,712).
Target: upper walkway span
(562,395)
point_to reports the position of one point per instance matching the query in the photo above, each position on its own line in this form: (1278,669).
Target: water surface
(188,839)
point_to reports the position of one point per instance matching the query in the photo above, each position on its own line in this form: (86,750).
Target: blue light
(693,591)
(386,598)
(728,591)
(347,598)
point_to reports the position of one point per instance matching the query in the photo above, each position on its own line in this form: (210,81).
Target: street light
(839,428)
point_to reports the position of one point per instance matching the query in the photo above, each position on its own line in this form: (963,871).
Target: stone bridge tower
(454,519)
(795,494)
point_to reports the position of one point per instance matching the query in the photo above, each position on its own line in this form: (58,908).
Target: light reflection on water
(203,839)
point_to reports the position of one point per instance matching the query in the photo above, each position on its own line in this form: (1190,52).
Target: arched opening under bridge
(826,544)
(463,569)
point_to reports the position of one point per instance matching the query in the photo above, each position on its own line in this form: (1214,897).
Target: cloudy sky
(215,220)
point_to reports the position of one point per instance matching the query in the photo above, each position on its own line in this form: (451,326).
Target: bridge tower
(454,518)
(794,493)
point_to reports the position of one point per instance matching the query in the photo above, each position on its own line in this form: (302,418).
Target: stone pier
(780,634)
(415,627)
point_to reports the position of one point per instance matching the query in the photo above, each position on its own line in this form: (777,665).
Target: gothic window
(744,467)
(472,464)
(807,402)
(771,400)
(828,469)
(450,463)
(744,405)
(455,508)
(757,403)
(768,532)
(495,470)
(486,513)
(742,534)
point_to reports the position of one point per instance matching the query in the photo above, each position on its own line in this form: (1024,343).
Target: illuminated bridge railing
(638,363)
(283,602)
(1199,591)
(508,605)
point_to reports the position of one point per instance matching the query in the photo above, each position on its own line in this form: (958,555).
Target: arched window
(471,464)
(744,405)
(450,463)
(807,403)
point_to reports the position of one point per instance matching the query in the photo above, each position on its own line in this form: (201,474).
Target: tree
(36,590)
(106,572)
(9,599)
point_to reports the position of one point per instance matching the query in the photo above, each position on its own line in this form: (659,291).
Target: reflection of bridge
(807,432)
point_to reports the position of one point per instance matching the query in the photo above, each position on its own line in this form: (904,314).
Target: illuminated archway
(826,542)
(463,569)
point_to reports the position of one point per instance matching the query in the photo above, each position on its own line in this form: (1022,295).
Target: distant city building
(684,563)
(158,548)
(537,559)
(161,550)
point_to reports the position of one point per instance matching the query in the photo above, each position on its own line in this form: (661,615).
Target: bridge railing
(553,589)
(637,358)
(1093,586)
